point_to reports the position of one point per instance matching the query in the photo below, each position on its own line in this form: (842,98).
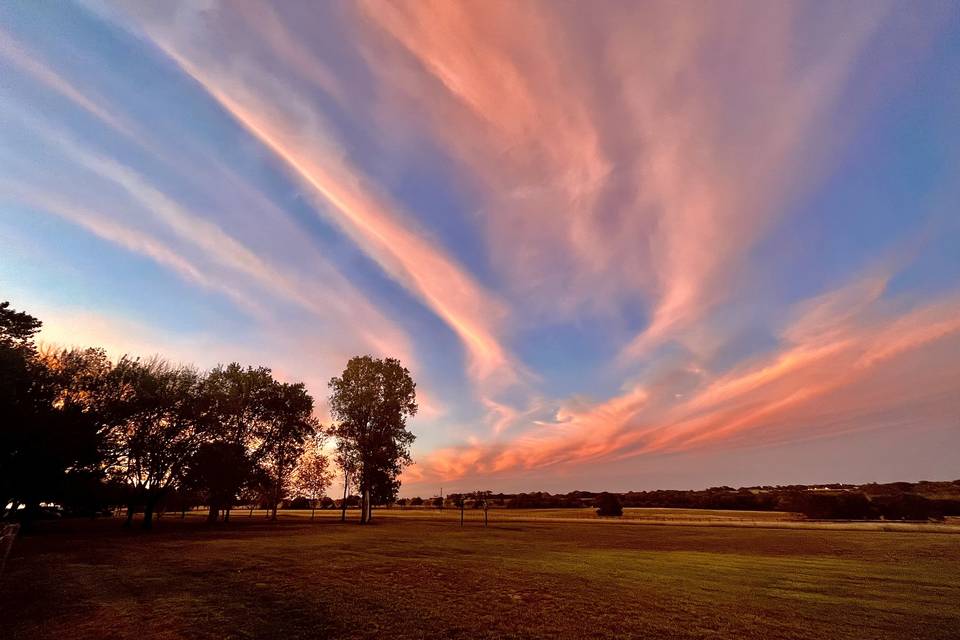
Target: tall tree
(289,425)
(370,403)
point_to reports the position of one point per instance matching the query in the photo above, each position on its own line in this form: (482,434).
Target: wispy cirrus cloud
(276,113)
(626,173)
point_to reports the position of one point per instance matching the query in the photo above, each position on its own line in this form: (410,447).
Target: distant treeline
(893,501)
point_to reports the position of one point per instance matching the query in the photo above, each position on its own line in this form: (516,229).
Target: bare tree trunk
(276,495)
(313,511)
(462,502)
(148,513)
(130,512)
(364,504)
(343,505)
(214,512)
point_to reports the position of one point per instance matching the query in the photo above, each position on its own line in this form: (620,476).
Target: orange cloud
(841,369)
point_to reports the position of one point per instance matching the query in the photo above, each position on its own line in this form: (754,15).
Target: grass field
(415,577)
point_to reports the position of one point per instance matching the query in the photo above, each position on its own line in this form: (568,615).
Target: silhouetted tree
(371,402)
(238,412)
(608,504)
(219,470)
(157,408)
(288,427)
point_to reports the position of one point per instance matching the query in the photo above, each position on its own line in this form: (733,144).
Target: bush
(608,504)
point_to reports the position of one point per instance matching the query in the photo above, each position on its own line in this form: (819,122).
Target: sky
(620,246)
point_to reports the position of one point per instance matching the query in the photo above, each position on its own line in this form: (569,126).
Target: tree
(371,402)
(313,476)
(156,405)
(608,504)
(239,408)
(289,425)
(17,328)
(220,470)
(481,500)
(52,425)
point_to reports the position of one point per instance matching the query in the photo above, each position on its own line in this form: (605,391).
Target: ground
(423,577)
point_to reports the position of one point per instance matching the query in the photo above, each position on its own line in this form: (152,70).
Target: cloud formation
(597,234)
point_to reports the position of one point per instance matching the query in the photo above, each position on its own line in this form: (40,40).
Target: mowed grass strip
(412,578)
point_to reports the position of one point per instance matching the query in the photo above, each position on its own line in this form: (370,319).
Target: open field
(651,516)
(413,577)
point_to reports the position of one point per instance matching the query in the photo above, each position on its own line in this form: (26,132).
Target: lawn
(415,577)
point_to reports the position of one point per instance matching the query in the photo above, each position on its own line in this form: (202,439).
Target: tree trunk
(364,497)
(130,512)
(148,513)
(343,505)
(276,497)
(462,502)
(313,511)
(213,513)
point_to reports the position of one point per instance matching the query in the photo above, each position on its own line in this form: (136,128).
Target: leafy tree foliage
(79,429)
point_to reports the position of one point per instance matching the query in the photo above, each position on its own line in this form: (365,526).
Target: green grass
(415,577)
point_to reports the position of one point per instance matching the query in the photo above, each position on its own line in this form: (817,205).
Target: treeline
(894,501)
(87,434)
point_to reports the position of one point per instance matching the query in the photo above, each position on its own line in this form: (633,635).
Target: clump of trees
(83,432)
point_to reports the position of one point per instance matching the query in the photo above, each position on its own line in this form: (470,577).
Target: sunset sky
(619,245)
